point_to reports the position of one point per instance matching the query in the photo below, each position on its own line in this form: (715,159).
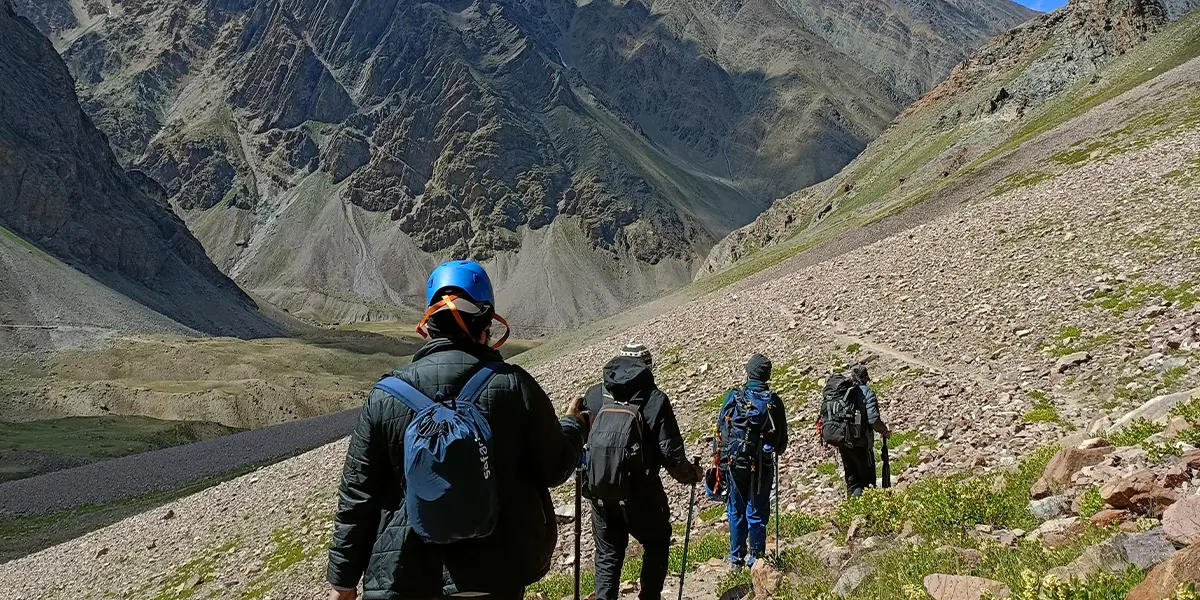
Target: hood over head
(758,368)
(626,377)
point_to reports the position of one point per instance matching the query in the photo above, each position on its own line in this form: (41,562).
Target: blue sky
(1042,5)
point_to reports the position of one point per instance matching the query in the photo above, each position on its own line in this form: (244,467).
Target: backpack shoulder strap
(470,392)
(404,392)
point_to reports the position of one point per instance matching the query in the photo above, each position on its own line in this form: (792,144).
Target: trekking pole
(777,513)
(887,465)
(687,533)
(578,522)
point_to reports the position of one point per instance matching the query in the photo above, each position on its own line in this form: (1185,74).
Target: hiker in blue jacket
(375,530)
(751,434)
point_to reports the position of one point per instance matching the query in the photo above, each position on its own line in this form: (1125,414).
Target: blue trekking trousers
(749,509)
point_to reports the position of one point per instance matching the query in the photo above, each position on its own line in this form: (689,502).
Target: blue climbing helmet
(465,275)
(461,286)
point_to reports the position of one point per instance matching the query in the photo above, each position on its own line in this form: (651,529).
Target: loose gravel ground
(170,468)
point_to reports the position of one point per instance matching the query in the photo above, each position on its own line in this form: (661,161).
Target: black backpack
(837,421)
(615,454)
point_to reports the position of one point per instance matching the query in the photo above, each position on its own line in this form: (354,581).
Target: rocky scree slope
(1008,325)
(970,135)
(68,202)
(327,154)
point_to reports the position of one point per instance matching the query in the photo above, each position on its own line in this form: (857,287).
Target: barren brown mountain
(327,153)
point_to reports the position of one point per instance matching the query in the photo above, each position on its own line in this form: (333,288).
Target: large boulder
(1181,521)
(1064,465)
(963,587)
(1163,581)
(1154,409)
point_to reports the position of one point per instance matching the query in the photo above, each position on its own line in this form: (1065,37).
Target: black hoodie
(631,380)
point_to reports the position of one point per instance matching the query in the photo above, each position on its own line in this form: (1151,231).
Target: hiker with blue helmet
(634,436)
(751,433)
(445,490)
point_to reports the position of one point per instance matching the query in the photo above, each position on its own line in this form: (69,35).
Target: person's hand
(576,409)
(882,428)
(699,472)
(335,594)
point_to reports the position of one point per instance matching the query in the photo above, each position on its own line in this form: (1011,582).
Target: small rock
(192,581)
(962,587)
(1100,425)
(1119,493)
(1064,465)
(1181,521)
(167,516)
(1108,555)
(1007,538)
(1109,516)
(855,524)
(1176,426)
(1048,508)
(1071,360)
(101,552)
(765,578)
(852,579)
(1144,550)
(970,556)
(629,587)
(564,513)
(1174,476)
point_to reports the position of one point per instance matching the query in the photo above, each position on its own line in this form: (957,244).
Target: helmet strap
(448,301)
(507,331)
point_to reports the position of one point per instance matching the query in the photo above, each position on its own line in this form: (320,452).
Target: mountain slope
(966,138)
(328,153)
(133,265)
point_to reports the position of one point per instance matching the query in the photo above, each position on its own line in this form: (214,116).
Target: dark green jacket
(533,451)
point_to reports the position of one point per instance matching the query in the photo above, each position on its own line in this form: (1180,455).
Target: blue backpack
(451,492)
(744,418)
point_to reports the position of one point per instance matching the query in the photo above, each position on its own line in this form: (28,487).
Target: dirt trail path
(170,468)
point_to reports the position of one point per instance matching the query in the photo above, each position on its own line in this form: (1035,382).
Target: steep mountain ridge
(328,153)
(963,137)
(133,265)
